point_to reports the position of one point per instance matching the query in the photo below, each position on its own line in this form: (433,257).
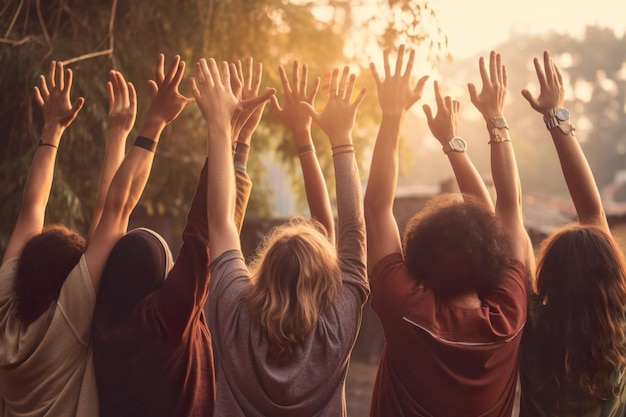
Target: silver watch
(455,144)
(558,116)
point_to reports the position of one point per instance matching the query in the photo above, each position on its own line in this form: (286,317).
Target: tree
(94,36)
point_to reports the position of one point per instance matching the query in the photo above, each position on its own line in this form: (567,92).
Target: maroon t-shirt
(158,361)
(443,360)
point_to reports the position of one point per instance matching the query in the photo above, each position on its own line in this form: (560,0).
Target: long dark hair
(581,328)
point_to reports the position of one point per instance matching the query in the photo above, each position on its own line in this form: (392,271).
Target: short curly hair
(44,264)
(454,245)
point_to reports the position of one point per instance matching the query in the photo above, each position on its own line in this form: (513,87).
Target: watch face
(561,114)
(458,144)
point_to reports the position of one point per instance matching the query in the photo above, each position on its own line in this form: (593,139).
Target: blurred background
(586,39)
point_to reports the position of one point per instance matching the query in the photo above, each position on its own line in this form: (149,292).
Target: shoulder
(8,271)
(228,271)
(390,268)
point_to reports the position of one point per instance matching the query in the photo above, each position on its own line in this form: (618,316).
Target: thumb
(255,101)
(428,112)
(309,109)
(274,104)
(154,88)
(472,92)
(531,100)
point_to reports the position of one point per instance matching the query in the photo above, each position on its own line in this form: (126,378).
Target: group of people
(114,325)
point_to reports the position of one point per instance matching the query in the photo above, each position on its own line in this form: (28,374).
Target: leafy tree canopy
(95,36)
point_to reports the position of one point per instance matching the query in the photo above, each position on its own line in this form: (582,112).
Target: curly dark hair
(454,245)
(44,264)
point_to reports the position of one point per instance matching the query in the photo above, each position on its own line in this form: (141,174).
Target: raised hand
(296,118)
(338,117)
(551,90)
(444,125)
(490,100)
(250,84)
(167,102)
(395,94)
(122,103)
(53,97)
(214,95)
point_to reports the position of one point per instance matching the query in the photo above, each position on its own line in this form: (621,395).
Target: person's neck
(466,300)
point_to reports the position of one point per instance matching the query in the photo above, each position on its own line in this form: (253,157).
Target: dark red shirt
(158,360)
(443,360)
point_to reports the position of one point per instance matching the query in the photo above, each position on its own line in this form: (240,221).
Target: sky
(478,25)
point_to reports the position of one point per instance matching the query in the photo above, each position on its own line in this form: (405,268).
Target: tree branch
(17,13)
(42,23)
(111,26)
(88,56)
(18,42)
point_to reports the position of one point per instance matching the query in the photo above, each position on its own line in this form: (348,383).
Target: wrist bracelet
(42,143)
(347,145)
(144,142)
(497,123)
(339,149)
(497,139)
(305,149)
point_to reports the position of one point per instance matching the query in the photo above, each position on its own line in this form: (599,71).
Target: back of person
(441,359)
(451,294)
(43,364)
(540,395)
(249,381)
(573,359)
(283,331)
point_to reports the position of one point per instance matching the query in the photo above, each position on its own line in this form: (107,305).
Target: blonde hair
(295,277)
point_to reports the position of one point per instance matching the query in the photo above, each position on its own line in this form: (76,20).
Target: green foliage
(95,36)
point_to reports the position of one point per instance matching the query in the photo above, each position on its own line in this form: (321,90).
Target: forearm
(467,177)
(244,186)
(317,192)
(40,175)
(221,181)
(383,175)
(579,179)
(505,174)
(350,221)
(113,157)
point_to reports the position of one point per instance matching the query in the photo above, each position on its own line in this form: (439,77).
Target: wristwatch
(455,144)
(558,116)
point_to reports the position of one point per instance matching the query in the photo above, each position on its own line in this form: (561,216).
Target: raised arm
(53,96)
(337,121)
(576,171)
(298,120)
(131,177)
(122,114)
(250,80)
(444,128)
(490,103)
(219,107)
(395,97)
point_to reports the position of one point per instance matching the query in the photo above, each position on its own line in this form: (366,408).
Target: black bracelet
(146,143)
(42,143)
